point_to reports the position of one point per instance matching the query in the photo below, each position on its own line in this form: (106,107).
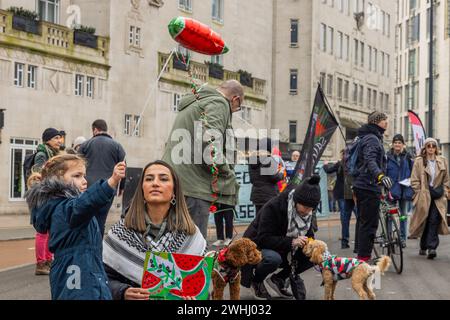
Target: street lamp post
(431,73)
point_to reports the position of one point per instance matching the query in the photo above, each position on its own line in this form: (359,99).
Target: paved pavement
(422,278)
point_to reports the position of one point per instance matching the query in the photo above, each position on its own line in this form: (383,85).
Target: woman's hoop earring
(173,201)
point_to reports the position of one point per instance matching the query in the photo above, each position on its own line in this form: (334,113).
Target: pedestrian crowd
(71,191)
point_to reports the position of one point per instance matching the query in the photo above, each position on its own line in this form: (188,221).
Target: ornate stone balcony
(254,96)
(52,39)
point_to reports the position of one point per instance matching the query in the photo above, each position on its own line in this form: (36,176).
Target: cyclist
(371,164)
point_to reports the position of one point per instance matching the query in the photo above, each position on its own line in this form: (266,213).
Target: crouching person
(282,229)
(74,215)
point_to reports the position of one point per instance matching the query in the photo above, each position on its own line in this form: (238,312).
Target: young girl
(74,216)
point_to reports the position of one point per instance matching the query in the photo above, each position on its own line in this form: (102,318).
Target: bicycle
(388,241)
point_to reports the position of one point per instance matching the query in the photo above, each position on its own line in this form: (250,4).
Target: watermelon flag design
(197,36)
(418,130)
(172,276)
(322,126)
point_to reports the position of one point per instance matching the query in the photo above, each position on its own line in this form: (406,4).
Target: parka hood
(40,200)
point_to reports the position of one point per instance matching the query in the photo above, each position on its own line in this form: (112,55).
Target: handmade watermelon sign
(197,36)
(172,276)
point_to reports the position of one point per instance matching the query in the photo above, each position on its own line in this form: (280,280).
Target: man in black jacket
(102,154)
(367,184)
(282,228)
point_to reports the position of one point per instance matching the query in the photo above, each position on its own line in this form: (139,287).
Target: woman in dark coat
(264,175)
(280,230)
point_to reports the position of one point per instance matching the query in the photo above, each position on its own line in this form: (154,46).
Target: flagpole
(331,111)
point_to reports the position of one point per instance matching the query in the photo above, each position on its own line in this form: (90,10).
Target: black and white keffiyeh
(124,250)
(297,225)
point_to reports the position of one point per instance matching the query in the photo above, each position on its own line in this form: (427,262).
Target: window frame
(24,147)
(19,74)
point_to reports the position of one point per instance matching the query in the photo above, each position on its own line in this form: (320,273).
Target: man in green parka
(205,120)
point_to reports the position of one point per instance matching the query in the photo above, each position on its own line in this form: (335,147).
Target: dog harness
(339,267)
(228,273)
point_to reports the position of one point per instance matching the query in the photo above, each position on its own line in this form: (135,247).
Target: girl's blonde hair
(58,166)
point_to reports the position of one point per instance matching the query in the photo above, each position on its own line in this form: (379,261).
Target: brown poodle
(228,267)
(334,269)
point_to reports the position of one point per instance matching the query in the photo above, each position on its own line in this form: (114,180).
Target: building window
(362,54)
(347,48)
(340,84)
(293,131)
(356,51)
(374,99)
(90,87)
(386,102)
(176,98)
(322,80)
(137,126)
(370,58)
(137,37)
(131,35)
(361,95)
(294,82)
(330,85)
(340,45)
(32,70)
(217,59)
(346,90)
(330,39)
(247,114)
(294,32)
(323,37)
(79,82)
(355,94)
(369,98)
(20,148)
(375,60)
(18,74)
(341,5)
(383,66)
(127,125)
(49,10)
(185,5)
(217,10)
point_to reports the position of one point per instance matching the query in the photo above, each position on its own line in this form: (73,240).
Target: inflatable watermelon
(197,36)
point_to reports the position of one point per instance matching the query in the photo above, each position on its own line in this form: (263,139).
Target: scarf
(297,225)
(227,273)
(124,250)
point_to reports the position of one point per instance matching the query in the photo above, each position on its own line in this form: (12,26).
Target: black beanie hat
(308,193)
(49,134)
(398,137)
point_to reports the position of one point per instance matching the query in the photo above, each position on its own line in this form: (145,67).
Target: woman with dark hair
(430,182)
(157,220)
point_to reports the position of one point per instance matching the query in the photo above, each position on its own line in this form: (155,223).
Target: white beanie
(431,140)
(78,141)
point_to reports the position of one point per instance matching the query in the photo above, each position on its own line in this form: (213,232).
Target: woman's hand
(299,242)
(136,294)
(118,174)
(189,298)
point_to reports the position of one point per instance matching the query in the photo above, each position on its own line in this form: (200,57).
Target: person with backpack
(50,147)
(367,164)
(399,167)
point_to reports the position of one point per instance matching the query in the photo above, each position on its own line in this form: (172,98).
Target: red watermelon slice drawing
(187,263)
(192,285)
(149,281)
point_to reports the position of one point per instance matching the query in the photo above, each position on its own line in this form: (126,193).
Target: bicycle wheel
(380,243)
(395,246)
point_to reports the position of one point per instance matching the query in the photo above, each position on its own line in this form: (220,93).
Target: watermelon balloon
(197,36)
